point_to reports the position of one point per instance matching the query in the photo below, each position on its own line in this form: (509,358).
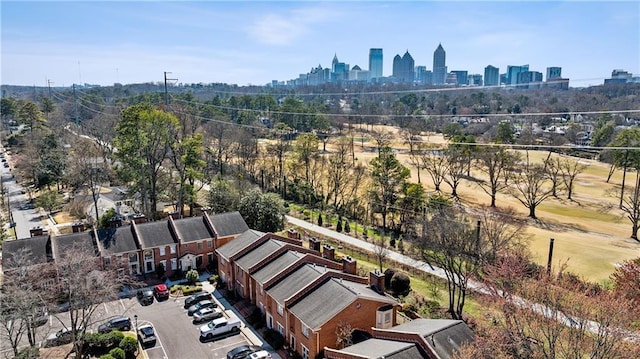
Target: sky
(255,42)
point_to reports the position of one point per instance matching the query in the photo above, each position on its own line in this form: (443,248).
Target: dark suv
(197,298)
(145,296)
(117,323)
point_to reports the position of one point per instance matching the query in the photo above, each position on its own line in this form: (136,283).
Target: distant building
(461,77)
(619,76)
(554,73)
(475,80)
(403,68)
(339,70)
(529,79)
(513,73)
(375,64)
(491,76)
(439,65)
(451,79)
(356,74)
(423,76)
(503,79)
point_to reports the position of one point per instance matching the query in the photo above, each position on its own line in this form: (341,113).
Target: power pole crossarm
(166,92)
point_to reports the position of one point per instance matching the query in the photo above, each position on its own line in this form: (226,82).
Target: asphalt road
(24,219)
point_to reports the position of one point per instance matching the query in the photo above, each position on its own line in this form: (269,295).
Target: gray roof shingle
(276,266)
(116,240)
(228,224)
(381,348)
(28,251)
(444,336)
(155,234)
(192,229)
(294,282)
(258,254)
(334,298)
(73,243)
(239,243)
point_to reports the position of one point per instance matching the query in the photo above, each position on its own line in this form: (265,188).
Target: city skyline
(257,42)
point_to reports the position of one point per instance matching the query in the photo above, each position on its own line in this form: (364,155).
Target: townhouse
(139,247)
(304,294)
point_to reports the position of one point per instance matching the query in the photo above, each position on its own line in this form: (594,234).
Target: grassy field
(591,234)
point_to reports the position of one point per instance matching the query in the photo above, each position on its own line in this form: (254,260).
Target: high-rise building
(461,77)
(529,79)
(339,70)
(439,65)
(403,68)
(475,80)
(513,72)
(491,76)
(554,73)
(375,63)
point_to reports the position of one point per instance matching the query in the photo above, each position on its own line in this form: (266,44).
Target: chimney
(292,233)
(36,231)
(328,252)
(115,223)
(376,280)
(174,215)
(139,218)
(77,227)
(314,244)
(349,265)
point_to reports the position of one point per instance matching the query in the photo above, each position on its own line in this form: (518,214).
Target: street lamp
(135,319)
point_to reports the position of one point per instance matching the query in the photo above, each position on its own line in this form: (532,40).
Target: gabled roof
(154,234)
(259,253)
(295,281)
(334,298)
(381,348)
(228,224)
(28,251)
(116,240)
(442,336)
(240,243)
(74,243)
(192,229)
(276,266)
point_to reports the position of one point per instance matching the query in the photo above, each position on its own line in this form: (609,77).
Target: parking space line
(106,308)
(232,344)
(123,307)
(158,341)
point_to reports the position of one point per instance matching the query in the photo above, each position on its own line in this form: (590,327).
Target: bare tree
(495,163)
(530,186)
(381,250)
(456,164)
(344,335)
(501,232)
(436,166)
(552,169)
(570,169)
(631,207)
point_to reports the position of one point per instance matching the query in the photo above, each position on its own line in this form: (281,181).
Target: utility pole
(49,82)
(75,105)
(166,93)
(550,256)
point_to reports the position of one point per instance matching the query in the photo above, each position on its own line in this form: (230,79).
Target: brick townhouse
(141,247)
(304,294)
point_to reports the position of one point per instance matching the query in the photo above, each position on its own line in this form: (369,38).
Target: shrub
(160,270)
(400,284)
(192,276)
(339,225)
(106,356)
(388,274)
(320,219)
(129,345)
(191,289)
(347,227)
(29,353)
(214,279)
(274,338)
(256,319)
(117,353)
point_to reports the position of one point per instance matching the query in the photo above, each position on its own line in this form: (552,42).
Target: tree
(530,186)
(504,133)
(500,232)
(389,177)
(187,158)
(107,217)
(223,196)
(570,169)
(305,148)
(631,207)
(400,284)
(263,212)
(381,250)
(344,335)
(495,163)
(87,170)
(449,243)
(626,159)
(626,282)
(31,116)
(435,163)
(456,164)
(8,108)
(144,138)
(49,200)
(192,276)
(47,106)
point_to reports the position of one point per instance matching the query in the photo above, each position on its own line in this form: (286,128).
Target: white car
(146,334)
(207,314)
(263,354)
(220,326)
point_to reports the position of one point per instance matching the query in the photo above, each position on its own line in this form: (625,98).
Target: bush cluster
(112,345)
(186,289)
(274,338)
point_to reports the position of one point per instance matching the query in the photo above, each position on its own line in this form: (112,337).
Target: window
(172,248)
(163,264)
(149,267)
(174,264)
(209,244)
(162,251)
(305,330)
(133,257)
(119,259)
(199,246)
(222,261)
(107,261)
(387,317)
(280,309)
(148,255)
(305,352)
(269,321)
(210,258)
(280,329)
(292,342)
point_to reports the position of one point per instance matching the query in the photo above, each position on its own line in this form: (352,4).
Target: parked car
(62,336)
(196,298)
(263,354)
(40,317)
(220,326)
(146,335)
(206,314)
(161,291)
(243,351)
(117,323)
(201,305)
(145,296)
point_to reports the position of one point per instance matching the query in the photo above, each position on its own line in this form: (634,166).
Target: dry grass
(591,233)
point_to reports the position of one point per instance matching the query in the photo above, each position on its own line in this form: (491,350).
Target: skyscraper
(439,65)
(491,76)
(375,63)
(403,68)
(513,72)
(554,73)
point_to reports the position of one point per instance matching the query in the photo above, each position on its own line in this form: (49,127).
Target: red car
(161,291)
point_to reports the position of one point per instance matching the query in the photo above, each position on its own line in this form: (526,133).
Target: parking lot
(177,336)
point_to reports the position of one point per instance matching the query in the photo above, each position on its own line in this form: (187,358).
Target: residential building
(491,76)
(439,66)
(375,64)
(418,338)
